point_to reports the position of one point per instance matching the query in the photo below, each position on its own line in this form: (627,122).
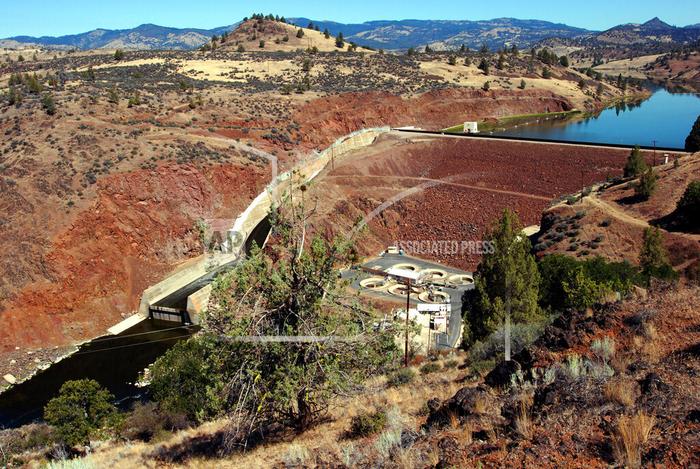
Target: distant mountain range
(392,35)
(389,35)
(653,31)
(146,36)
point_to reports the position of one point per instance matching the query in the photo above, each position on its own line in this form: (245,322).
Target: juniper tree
(81,408)
(280,339)
(635,164)
(507,282)
(48,103)
(484,66)
(653,258)
(647,184)
(692,142)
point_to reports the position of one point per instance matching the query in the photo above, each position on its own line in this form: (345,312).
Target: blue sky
(51,17)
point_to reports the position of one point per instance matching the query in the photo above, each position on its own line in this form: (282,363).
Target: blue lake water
(665,117)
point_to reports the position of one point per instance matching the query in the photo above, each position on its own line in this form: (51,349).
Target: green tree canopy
(81,408)
(635,165)
(692,142)
(647,184)
(507,281)
(653,258)
(689,204)
(287,339)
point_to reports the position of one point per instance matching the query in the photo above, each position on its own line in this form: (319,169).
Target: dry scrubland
(100,198)
(613,386)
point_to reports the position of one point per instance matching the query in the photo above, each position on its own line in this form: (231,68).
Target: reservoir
(665,119)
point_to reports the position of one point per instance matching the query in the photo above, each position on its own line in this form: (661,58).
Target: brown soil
(481,179)
(140,226)
(618,221)
(326,118)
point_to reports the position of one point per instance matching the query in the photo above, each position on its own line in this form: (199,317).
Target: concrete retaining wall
(247,221)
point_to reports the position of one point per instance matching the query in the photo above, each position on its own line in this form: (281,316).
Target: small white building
(471,128)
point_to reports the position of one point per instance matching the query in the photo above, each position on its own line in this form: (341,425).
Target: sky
(54,18)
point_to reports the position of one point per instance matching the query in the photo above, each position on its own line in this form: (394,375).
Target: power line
(127,345)
(115,337)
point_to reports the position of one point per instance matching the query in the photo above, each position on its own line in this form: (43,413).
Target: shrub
(366,424)
(449,364)
(146,421)
(27,438)
(182,380)
(629,438)
(646,185)
(604,348)
(431,367)
(590,278)
(689,205)
(523,421)
(48,103)
(401,377)
(118,54)
(81,408)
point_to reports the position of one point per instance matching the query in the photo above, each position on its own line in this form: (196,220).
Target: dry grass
(480,405)
(621,391)
(327,438)
(629,438)
(523,420)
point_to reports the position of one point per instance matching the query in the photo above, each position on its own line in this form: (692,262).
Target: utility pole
(408,305)
(506,326)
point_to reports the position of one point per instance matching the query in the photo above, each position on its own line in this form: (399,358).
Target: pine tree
(48,103)
(300,33)
(692,142)
(635,165)
(653,258)
(646,185)
(501,61)
(326,33)
(452,60)
(340,41)
(507,282)
(484,66)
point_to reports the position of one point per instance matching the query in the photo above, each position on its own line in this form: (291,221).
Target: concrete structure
(437,294)
(197,304)
(471,128)
(204,268)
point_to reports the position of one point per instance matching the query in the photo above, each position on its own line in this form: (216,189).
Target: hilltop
(277,36)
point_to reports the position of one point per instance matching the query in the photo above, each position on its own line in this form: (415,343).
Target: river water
(665,117)
(113,361)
